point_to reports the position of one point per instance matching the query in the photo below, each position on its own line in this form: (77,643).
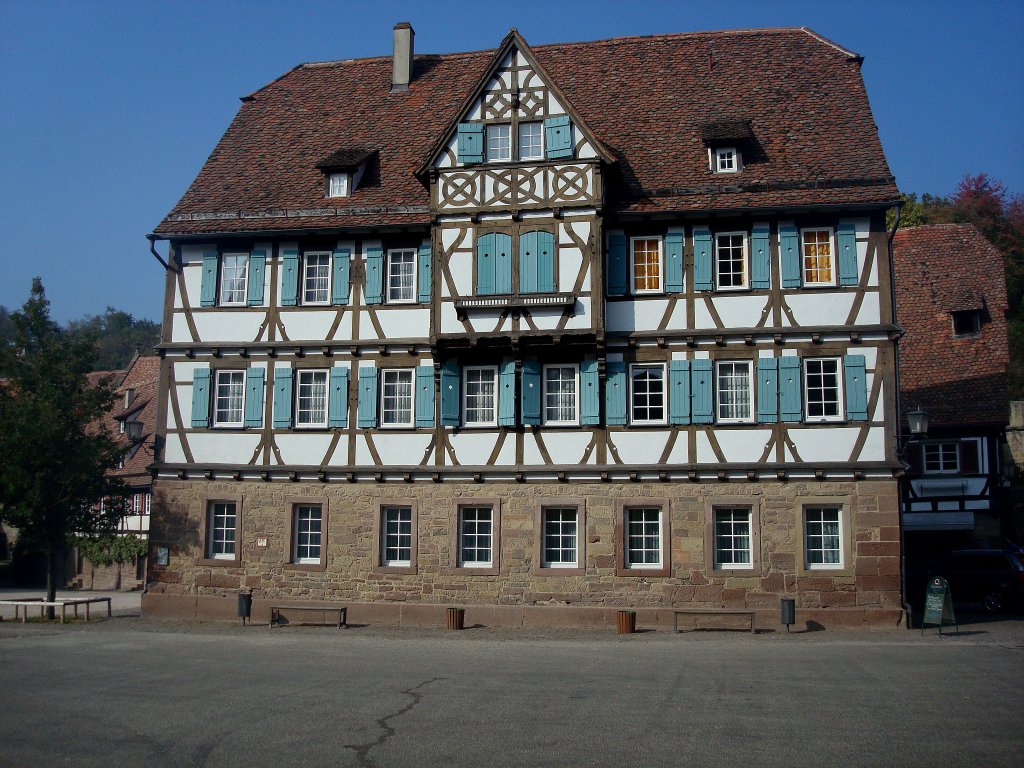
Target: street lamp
(134,431)
(917,419)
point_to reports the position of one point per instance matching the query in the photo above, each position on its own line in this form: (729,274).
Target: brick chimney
(401,72)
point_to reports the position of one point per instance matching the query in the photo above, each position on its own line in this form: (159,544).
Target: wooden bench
(341,610)
(60,602)
(712,612)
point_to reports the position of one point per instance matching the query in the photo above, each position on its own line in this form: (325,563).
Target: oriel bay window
(497,261)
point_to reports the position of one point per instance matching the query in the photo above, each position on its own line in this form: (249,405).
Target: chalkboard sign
(938,605)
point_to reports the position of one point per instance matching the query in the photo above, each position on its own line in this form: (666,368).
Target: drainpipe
(907,609)
(152,249)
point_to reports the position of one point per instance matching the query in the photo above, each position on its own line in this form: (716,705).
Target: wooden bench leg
(87,611)
(109,612)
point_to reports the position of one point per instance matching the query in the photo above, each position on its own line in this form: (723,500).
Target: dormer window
(967,322)
(726,160)
(338,185)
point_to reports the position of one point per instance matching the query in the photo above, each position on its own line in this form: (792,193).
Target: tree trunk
(51,579)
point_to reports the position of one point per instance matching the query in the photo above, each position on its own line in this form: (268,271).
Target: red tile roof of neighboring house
(941,269)
(141,377)
(647,100)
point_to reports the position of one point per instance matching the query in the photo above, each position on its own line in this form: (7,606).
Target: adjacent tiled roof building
(959,379)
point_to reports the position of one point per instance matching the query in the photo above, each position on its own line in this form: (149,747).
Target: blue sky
(109,109)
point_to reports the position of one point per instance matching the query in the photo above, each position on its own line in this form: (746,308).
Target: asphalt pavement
(138,692)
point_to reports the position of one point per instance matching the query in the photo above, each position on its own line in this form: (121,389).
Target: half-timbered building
(541,332)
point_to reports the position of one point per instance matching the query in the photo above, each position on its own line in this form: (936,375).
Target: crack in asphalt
(363,750)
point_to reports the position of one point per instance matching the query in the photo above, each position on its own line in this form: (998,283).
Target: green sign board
(938,605)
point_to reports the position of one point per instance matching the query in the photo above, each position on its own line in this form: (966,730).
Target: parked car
(993,577)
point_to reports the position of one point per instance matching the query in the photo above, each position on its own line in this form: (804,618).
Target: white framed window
(499,142)
(229,398)
(823,543)
(645,264)
(734,391)
(561,401)
(396,537)
(221,530)
(148,504)
(476,537)
(401,269)
(311,398)
(316,278)
(647,393)
(818,256)
(561,537)
(731,261)
(531,141)
(726,160)
(643,531)
(823,391)
(307,534)
(234,268)
(136,503)
(733,538)
(121,426)
(396,398)
(338,185)
(941,457)
(480,396)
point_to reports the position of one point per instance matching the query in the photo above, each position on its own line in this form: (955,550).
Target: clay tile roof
(644,98)
(142,379)
(941,269)
(348,157)
(726,130)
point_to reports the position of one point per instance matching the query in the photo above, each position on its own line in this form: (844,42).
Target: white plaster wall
(874,445)
(227,447)
(742,446)
(192,276)
(567,447)
(401,324)
(173,452)
(570,260)
(405,450)
(303,448)
(474,447)
(832,444)
(461,268)
(450,322)
(311,325)
(344,331)
(740,310)
(640,446)
(815,307)
(634,315)
(870,312)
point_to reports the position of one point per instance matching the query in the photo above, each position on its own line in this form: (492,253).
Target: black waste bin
(244,606)
(787,611)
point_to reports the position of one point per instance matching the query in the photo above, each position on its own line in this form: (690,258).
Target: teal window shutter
(703,404)
(618,264)
(761,259)
(471,143)
(341,262)
(367,416)
(531,396)
(674,262)
(254,381)
(451,399)
(425,276)
(502,263)
(849,272)
(290,278)
(856,388)
(257,265)
(201,397)
(546,262)
(790,395)
(282,398)
(767,390)
(485,264)
(529,263)
(425,397)
(558,137)
(208,291)
(679,392)
(374,275)
(337,405)
(507,394)
(615,393)
(590,393)
(702,259)
(789,253)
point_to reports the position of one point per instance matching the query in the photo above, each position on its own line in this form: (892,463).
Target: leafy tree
(54,451)
(107,549)
(118,336)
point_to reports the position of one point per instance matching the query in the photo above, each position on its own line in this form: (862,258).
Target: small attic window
(338,184)
(967,322)
(726,160)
